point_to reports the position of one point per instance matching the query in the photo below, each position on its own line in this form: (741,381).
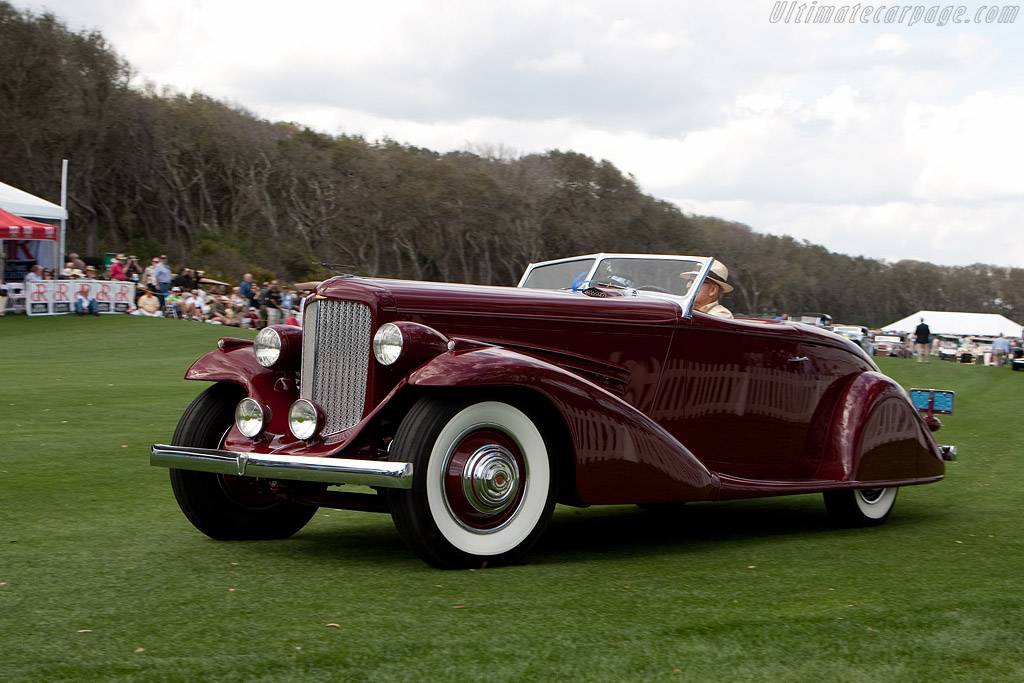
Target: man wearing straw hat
(715,285)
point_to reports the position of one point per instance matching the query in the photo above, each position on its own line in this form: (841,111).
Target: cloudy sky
(895,140)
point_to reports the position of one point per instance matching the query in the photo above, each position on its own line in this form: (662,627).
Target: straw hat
(718,274)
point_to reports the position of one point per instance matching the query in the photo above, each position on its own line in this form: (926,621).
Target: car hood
(415,298)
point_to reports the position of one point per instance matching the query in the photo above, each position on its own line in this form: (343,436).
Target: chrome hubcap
(490,479)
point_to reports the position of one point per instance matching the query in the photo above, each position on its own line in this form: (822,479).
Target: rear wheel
(222,506)
(483,484)
(860,507)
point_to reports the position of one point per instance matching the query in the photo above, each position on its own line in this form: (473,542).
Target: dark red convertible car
(467,412)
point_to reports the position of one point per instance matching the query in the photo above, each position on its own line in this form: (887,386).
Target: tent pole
(63,221)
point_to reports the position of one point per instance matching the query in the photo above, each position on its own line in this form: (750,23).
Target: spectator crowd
(252,306)
(187,295)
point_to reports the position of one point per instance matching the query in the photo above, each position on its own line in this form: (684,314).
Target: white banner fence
(57,297)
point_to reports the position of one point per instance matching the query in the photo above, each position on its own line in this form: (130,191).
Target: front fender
(238,365)
(877,435)
(620,455)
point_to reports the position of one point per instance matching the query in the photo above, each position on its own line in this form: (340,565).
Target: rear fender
(619,454)
(876,435)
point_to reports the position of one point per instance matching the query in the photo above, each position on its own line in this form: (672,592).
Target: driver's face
(709,292)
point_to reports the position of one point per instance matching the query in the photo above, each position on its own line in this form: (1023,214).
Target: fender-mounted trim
(378,473)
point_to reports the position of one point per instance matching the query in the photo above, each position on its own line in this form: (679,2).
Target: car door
(741,395)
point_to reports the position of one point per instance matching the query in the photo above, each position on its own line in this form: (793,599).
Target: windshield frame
(685,301)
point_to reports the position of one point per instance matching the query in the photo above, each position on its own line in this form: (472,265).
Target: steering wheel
(652,288)
(618,280)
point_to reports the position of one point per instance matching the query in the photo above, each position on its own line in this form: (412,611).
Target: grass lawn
(102,578)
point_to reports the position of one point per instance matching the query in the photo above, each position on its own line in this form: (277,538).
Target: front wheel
(222,506)
(860,507)
(483,484)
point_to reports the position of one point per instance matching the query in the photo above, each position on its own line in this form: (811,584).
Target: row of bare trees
(217,188)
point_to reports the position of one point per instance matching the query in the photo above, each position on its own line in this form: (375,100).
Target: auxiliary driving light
(305,419)
(249,417)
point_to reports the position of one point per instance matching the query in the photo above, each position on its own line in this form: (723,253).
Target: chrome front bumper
(383,474)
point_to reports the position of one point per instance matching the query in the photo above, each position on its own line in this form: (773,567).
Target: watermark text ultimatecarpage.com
(796,12)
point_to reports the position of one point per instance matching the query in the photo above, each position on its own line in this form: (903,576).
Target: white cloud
(946,234)
(839,107)
(865,139)
(563,61)
(971,151)
(891,44)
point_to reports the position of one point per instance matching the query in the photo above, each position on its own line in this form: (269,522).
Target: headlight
(387,344)
(279,347)
(305,419)
(267,346)
(407,344)
(249,417)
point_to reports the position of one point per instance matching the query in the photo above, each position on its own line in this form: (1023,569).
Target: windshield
(644,274)
(561,275)
(655,275)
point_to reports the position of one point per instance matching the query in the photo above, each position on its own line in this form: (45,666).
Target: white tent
(27,205)
(947,322)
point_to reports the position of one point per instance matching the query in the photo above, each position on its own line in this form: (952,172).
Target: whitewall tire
(483,483)
(860,507)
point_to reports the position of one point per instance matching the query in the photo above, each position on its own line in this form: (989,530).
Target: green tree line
(220,189)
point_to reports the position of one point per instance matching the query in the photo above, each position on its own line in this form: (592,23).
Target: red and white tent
(24,240)
(17,228)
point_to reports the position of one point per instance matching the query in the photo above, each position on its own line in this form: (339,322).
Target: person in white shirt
(84,303)
(35,274)
(194,304)
(201,302)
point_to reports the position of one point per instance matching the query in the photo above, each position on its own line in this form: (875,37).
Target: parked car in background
(888,345)
(858,334)
(816,319)
(467,412)
(854,333)
(947,346)
(979,348)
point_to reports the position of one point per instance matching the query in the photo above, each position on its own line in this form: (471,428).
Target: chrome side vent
(336,360)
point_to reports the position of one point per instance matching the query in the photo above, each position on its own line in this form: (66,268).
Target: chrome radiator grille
(335,360)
